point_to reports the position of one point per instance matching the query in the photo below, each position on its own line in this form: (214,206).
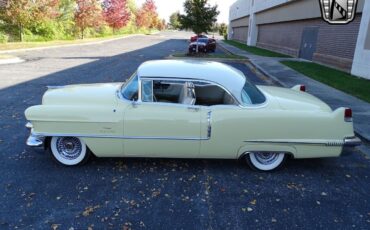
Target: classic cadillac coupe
(188,109)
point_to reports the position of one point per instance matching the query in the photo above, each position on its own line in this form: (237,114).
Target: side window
(147,91)
(208,95)
(179,92)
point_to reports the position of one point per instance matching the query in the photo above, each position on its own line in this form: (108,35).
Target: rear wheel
(69,151)
(265,161)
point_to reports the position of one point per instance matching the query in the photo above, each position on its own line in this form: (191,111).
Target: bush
(225,36)
(3,37)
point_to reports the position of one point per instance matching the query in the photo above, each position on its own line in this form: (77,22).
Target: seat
(187,94)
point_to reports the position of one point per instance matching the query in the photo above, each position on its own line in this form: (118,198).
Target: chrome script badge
(338,11)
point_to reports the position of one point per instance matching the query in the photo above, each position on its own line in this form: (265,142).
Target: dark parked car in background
(205,45)
(196,37)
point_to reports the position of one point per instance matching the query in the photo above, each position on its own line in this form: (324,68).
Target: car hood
(290,99)
(104,94)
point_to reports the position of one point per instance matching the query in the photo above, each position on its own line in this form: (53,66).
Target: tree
(222,29)
(147,15)
(199,16)
(88,14)
(116,13)
(174,20)
(24,13)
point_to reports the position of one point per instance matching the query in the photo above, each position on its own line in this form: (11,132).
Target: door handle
(193,108)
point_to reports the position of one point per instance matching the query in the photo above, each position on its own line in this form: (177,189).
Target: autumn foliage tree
(116,13)
(147,15)
(24,13)
(88,14)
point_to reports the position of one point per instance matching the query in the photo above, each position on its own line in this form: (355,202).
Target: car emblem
(338,11)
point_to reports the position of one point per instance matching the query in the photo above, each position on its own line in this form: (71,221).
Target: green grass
(255,50)
(210,55)
(3,56)
(343,81)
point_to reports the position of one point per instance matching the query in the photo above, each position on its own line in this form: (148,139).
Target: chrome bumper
(33,140)
(351,141)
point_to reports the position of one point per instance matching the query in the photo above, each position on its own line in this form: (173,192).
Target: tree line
(42,20)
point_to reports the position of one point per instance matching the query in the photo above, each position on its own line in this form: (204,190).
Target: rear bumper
(351,141)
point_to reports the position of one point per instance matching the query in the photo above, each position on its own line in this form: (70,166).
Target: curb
(68,45)
(209,59)
(11,61)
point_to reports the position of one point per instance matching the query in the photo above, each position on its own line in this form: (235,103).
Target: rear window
(251,95)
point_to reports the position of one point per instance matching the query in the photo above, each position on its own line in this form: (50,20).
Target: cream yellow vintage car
(188,109)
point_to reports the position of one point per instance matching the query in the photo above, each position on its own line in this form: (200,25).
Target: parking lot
(36,193)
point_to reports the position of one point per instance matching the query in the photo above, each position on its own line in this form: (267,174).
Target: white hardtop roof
(230,78)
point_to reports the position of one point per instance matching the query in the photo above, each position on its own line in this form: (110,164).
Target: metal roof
(228,77)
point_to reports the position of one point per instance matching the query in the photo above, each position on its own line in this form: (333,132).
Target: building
(296,28)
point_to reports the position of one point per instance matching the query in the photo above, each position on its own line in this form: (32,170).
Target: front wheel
(69,151)
(265,161)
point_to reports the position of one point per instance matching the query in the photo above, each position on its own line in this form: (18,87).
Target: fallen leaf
(324,194)
(249,209)
(273,220)
(253,202)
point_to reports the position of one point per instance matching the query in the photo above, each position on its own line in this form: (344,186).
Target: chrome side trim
(352,141)
(301,141)
(118,137)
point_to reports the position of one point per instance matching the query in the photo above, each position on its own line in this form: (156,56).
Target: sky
(166,7)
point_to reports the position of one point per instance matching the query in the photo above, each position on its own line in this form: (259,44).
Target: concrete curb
(209,59)
(11,61)
(68,45)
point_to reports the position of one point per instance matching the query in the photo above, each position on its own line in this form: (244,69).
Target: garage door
(240,33)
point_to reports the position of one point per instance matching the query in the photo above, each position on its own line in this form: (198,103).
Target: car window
(210,94)
(147,90)
(130,89)
(168,91)
(204,40)
(251,95)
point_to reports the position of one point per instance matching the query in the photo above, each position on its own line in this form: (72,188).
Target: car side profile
(188,109)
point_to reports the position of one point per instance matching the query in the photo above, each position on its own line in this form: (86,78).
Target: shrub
(225,36)
(3,37)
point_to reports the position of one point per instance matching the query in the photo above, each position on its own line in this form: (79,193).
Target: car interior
(190,93)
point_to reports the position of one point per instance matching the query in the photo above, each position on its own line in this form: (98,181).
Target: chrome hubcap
(69,147)
(266,158)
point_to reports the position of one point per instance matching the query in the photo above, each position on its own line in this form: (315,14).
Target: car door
(161,129)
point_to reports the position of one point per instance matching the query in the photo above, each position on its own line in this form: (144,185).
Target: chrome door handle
(193,108)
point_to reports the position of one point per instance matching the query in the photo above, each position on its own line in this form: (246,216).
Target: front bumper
(351,141)
(33,140)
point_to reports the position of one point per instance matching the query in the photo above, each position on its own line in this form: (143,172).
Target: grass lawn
(210,55)
(255,50)
(353,85)
(23,45)
(5,56)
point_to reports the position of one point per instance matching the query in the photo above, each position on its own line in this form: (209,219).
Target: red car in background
(195,37)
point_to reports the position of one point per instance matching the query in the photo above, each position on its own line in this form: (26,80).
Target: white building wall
(361,61)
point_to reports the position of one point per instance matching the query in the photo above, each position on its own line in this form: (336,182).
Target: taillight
(348,114)
(302,88)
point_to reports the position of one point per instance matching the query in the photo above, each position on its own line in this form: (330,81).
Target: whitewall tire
(69,151)
(265,161)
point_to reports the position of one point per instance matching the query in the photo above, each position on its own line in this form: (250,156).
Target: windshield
(130,90)
(204,40)
(251,94)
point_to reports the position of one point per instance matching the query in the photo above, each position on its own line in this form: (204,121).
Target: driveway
(36,193)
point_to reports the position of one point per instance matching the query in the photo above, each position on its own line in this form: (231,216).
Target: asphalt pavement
(36,193)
